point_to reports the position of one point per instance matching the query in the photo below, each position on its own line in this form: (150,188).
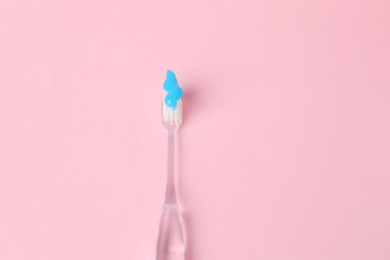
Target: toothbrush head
(171,113)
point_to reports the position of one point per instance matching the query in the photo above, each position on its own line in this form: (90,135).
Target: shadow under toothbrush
(190,101)
(189,254)
(185,211)
(190,104)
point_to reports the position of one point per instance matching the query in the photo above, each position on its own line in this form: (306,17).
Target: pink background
(284,150)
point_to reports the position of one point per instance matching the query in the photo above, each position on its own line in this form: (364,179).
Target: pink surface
(284,150)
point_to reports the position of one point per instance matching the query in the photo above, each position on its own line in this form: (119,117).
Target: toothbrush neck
(170,195)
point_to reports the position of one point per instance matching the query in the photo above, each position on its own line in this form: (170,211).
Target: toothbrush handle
(170,244)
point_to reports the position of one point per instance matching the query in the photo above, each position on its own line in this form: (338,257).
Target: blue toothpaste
(174,92)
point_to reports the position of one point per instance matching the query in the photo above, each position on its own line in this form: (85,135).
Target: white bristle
(172,118)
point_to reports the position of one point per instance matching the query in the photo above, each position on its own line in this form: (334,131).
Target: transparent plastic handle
(170,244)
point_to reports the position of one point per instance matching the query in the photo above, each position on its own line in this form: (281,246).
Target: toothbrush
(171,244)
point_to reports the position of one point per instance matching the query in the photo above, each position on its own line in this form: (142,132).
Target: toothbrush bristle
(172,118)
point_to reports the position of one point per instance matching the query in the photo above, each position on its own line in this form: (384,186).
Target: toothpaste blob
(174,92)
